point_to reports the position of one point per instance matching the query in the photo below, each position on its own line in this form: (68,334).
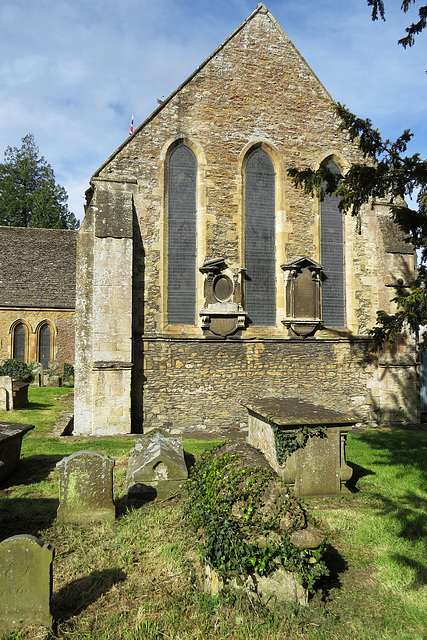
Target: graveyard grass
(140,577)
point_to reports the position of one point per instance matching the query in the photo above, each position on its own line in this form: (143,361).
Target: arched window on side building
(45,345)
(20,342)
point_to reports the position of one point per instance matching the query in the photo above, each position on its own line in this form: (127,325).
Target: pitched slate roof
(37,268)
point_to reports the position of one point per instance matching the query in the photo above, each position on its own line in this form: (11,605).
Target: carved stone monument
(156,467)
(25,583)
(222,312)
(86,488)
(317,469)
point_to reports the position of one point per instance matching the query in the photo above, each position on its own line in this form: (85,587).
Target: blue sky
(73,71)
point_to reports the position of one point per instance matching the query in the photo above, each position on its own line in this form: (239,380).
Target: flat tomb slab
(11,435)
(292,412)
(319,468)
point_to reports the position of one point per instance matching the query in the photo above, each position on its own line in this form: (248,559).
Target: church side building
(206,279)
(37,294)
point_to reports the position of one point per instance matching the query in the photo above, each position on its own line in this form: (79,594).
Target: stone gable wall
(256,89)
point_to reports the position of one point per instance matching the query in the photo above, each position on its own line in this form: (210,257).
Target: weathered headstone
(86,488)
(25,583)
(156,467)
(38,375)
(6,393)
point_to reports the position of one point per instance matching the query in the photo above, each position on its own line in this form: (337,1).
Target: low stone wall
(204,384)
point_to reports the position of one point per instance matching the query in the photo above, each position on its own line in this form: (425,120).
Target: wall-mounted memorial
(222,313)
(302,295)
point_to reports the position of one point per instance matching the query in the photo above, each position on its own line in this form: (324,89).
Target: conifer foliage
(29,194)
(388,173)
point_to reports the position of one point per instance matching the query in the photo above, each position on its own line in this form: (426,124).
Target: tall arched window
(332,258)
(260,286)
(45,343)
(20,342)
(182,179)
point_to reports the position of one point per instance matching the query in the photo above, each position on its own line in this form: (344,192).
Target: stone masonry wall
(204,384)
(63,321)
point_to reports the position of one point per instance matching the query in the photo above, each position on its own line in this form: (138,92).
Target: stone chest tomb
(318,468)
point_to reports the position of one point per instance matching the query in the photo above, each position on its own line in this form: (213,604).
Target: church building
(206,279)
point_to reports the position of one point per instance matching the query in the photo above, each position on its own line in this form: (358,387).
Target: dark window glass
(44,346)
(260,286)
(332,259)
(182,176)
(19,342)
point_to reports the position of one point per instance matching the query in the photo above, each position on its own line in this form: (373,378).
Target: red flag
(131,127)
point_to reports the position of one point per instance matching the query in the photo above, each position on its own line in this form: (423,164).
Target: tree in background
(389,173)
(29,194)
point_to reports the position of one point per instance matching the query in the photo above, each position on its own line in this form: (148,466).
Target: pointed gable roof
(260,11)
(37,268)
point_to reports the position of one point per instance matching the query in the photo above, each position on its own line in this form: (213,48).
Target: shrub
(17,370)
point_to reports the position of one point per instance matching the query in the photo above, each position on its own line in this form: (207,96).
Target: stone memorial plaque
(86,488)
(25,582)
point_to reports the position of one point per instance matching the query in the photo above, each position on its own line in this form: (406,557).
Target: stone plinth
(281,585)
(86,488)
(20,394)
(319,468)
(6,394)
(10,446)
(25,583)
(156,467)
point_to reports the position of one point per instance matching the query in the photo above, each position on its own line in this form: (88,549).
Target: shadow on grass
(337,566)
(26,515)
(399,447)
(36,406)
(76,596)
(31,470)
(407,451)
(358,472)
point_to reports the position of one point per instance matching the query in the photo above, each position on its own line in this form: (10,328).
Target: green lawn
(140,577)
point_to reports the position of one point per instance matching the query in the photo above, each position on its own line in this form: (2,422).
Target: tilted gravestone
(86,488)
(25,582)
(6,393)
(156,467)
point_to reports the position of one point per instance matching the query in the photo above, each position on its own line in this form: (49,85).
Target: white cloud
(73,71)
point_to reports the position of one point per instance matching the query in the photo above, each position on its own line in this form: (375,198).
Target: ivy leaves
(244,517)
